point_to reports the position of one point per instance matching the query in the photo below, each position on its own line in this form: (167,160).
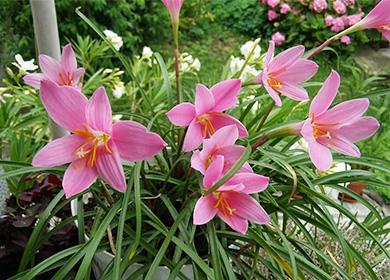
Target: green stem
(269,110)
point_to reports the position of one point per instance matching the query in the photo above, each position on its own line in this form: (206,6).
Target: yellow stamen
(384,27)
(67,80)
(274,83)
(208,127)
(222,204)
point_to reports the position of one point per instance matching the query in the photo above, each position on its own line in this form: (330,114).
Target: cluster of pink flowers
(278,38)
(319,5)
(340,23)
(339,7)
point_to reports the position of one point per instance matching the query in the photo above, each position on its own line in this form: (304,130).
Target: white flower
(147,53)
(237,63)
(116,118)
(339,167)
(114,38)
(246,49)
(54,221)
(119,89)
(86,197)
(196,64)
(185,67)
(24,66)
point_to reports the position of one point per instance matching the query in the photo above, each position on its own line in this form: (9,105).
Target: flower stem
(264,118)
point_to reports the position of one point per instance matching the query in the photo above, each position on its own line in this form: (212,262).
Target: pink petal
(236,188)
(361,129)
(270,53)
(109,167)
(235,222)
(222,120)
(285,59)
(246,168)
(253,182)
(247,208)
(340,144)
(274,95)
(204,100)
(193,136)
(294,92)
(182,114)
(135,142)
(231,155)
(320,155)
(50,67)
(197,163)
(225,136)
(173,7)
(214,172)
(299,72)
(98,112)
(68,59)
(225,94)
(379,15)
(204,210)
(65,105)
(78,177)
(77,74)
(386,34)
(326,94)
(344,112)
(58,152)
(34,79)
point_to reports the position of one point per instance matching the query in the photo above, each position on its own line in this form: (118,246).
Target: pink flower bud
(329,20)
(173,7)
(278,38)
(345,40)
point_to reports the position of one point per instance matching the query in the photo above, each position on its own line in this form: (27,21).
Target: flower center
(208,127)
(94,139)
(66,79)
(384,27)
(222,204)
(323,129)
(274,83)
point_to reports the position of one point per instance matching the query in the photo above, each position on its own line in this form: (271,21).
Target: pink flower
(285,8)
(173,7)
(353,19)
(345,40)
(231,202)
(319,5)
(278,38)
(337,128)
(63,73)
(378,18)
(338,24)
(96,146)
(296,12)
(339,7)
(206,116)
(221,143)
(284,73)
(272,15)
(273,3)
(329,20)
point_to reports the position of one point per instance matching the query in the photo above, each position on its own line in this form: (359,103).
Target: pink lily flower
(206,116)
(378,18)
(96,146)
(285,73)
(221,143)
(64,72)
(174,7)
(231,202)
(337,128)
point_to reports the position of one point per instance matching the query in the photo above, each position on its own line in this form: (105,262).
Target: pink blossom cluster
(340,23)
(339,7)
(319,5)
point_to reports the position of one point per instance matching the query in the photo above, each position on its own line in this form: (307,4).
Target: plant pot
(356,187)
(102,259)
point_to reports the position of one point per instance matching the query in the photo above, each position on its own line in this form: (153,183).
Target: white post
(47,41)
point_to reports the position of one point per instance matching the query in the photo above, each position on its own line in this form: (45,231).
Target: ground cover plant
(168,169)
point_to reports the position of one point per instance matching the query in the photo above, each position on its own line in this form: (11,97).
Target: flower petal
(225,94)
(225,136)
(109,167)
(182,114)
(298,72)
(247,208)
(320,155)
(344,112)
(204,100)
(294,92)
(197,163)
(222,120)
(253,182)
(78,177)
(68,59)
(361,129)
(285,59)
(98,112)
(50,67)
(325,95)
(214,172)
(204,210)
(58,152)
(386,34)
(340,144)
(135,142)
(65,105)
(34,79)
(77,74)
(193,137)
(235,222)
(274,95)
(270,53)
